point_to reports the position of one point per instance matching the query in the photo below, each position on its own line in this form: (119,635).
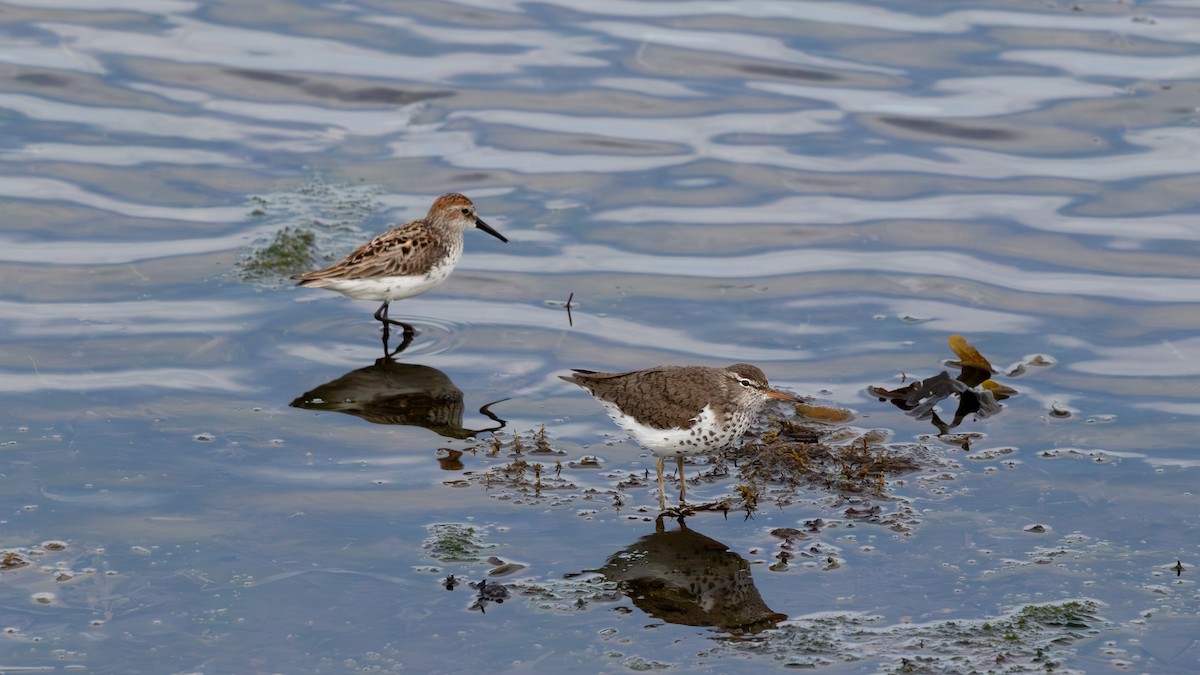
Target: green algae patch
(455,543)
(1033,638)
(318,221)
(290,251)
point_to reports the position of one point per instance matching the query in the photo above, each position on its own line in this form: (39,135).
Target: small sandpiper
(675,411)
(406,260)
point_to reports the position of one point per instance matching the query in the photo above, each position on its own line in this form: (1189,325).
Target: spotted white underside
(701,436)
(387,289)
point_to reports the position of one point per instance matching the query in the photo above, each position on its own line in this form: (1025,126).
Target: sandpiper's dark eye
(745,382)
(466,211)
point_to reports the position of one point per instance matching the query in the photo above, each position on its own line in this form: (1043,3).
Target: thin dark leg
(381,315)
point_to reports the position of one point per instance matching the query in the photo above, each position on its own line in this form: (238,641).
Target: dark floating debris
(790,454)
(813,448)
(11,560)
(486,593)
(978,394)
(503,567)
(795,547)
(519,446)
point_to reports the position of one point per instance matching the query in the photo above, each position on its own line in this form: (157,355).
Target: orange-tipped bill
(780,396)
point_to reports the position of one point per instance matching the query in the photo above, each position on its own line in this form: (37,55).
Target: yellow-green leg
(682,480)
(662,500)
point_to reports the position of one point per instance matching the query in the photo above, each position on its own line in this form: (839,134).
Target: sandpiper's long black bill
(488,228)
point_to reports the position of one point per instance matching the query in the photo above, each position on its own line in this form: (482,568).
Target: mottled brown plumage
(406,260)
(405,250)
(681,410)
(670,397)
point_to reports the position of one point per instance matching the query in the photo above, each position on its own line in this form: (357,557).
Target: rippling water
(828,190)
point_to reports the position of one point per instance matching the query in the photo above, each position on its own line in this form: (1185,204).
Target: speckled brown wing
(406,250)
(666,397)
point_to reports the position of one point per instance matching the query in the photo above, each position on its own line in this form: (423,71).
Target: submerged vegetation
(317,216)
(806,452)
(290,251)
(455,542)
(791,456)
(1033,638)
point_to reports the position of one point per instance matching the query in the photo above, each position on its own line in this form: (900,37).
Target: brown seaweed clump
(805,452)
(792,455)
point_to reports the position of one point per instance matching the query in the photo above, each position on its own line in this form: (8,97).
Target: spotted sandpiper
(675,411)
(406,260)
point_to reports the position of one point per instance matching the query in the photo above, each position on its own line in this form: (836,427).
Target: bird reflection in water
(389,392)
(684,577)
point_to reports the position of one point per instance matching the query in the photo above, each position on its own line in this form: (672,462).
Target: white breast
(391,288)
(672,442)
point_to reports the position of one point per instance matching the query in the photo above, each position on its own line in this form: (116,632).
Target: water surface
(827,190)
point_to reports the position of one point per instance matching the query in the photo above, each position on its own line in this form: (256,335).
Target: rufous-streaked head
(456,210)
